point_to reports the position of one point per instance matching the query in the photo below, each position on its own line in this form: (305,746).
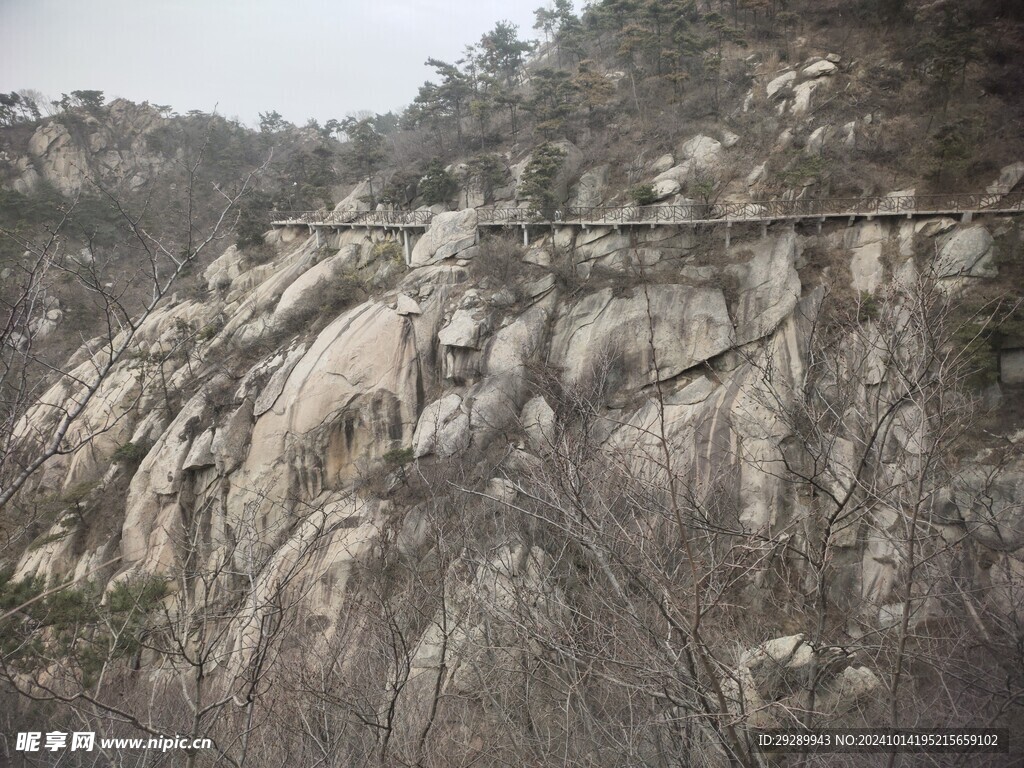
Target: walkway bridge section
(765,212)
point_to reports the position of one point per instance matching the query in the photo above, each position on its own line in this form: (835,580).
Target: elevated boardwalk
(765,212)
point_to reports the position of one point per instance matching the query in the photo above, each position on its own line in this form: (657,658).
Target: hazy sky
(304,58)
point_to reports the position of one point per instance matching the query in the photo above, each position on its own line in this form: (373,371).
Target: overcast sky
(304,58)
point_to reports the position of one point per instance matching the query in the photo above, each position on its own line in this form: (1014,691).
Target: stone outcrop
(967,253)
(450,234)
(640,339)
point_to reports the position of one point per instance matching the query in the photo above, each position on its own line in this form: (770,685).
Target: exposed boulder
(778,85)
(818,138)
(702,152)
(771,680)
(538,421)
(967,253)
(1009,177)
(665,188)
(688,325)
(406,305)
(231,442)
(662,163)
(590,189)
(200,454)
(819,69)
(467,328)
(567,173)
(449,234)
(802,97)
(677,173)
(442,429)
(989,502)
(755,175)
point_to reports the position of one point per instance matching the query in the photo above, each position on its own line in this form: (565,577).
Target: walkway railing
(688,213)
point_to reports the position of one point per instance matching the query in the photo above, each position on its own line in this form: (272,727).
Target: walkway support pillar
(764,229)
(408,250)
(728,234)
(316,231)
(526,236)
(967,217)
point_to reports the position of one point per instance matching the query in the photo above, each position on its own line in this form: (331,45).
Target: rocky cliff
(619,490)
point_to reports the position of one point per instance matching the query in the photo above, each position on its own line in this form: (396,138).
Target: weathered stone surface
(695,392)
(309,287)
(406,305)
(690,325)
(989,502)
(819,69)
(769,288)
(467,328)
(780,83)
(590,189)
(442,429)
(967,252)
(538,421)
(448,235)
(200,454)
(518,341)
(818,138)
(802,97)
(702,152)
(677,173)
(665,188)
(231,442)
(755,175)
(567,172)
(866,267)
(275,386)
(663,163)
(352,397)
(1009,177)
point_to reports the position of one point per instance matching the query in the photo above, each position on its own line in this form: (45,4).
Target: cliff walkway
(764,212)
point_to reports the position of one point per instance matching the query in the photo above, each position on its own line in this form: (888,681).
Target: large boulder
(607,335)
(802,97)
(819,69)
(702,152)
(1009,177)
(467,328)
(665,188)
(677,174)
(449,234)
(442,429)
(967,253)
(779,84)
(589,191)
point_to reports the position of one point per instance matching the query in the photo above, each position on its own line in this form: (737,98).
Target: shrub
(388,250)
(437,185)
(643,194)
(130,454)
(867,307)
(398,456)
(538,181)
(212,328)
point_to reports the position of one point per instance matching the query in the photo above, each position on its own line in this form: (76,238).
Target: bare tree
(27,444)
